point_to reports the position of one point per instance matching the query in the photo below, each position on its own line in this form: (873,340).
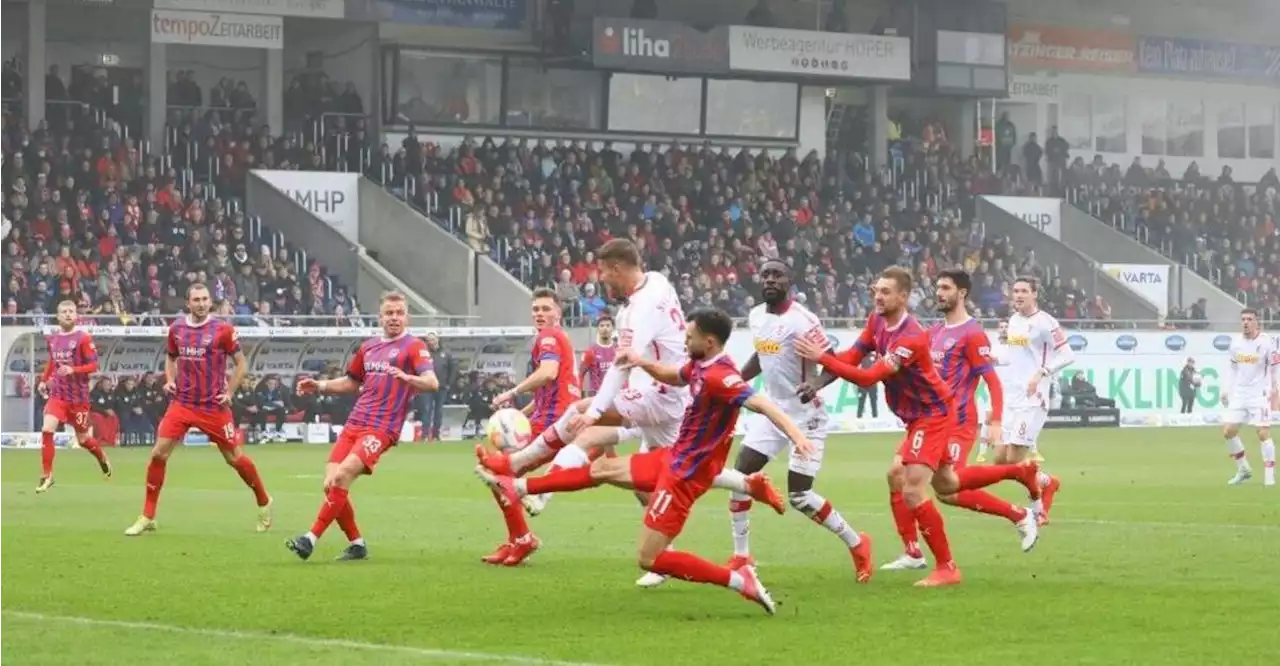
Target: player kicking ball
(1251,376)
(65,384)
(776,325)
(386,371)
(680,474)
(195,373)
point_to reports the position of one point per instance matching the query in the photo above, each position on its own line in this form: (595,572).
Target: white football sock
(538,448)
(1235,449)
(1269,454)
(731,480)
(740,518)
(820,511)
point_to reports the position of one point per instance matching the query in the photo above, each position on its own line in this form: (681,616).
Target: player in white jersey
(1247,396)
(775,326)
(1035,350)
(650,321)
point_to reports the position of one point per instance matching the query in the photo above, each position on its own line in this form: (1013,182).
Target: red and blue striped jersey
(551,400)
(384,401)
(200,352)
(74,348)
(706,433)
(962,354)
(595,362)
(915,390)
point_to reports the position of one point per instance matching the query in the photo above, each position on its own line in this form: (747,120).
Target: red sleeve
(727,385)
(588,358)
(850,372)
(547,347)
(355,367)
(686,372)
(977,351)
(173,344)
(88,354)
(48,367)
(230,340)
(865,344)
(422,361)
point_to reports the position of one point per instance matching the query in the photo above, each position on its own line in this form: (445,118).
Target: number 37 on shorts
(928,442)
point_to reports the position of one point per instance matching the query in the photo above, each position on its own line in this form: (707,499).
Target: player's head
(1248,321)
(953,290)
(891,291)
(393,313)
(620,272)
(1002,330)
(707,334)
(545,308)
(67,315)
(198,301)
(604,328)
(1026,295)
(775,282)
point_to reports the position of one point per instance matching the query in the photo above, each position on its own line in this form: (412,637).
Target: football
(507,430)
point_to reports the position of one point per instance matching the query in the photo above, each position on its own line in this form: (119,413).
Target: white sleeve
(1060,355)
(642,327)
(1230,383)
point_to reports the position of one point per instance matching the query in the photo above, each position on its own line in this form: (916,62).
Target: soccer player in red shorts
(917,394)
(65,383)
(387,371)
(195,372)
(689,469)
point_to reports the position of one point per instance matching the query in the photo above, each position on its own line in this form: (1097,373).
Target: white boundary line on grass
(426,654)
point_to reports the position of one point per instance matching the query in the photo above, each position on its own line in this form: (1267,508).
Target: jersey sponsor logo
(547,343)
(984,352)
(731,381)
(1018,340)
(187,351)
(1246,358)
(768,347)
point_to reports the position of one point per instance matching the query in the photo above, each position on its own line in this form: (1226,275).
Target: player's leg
(546,444)
(922,453)
(356,453)
(596,438)
(222,432)
(55,414)
(1020,447)
(1262,424)
(800,492)
(173,428)
(903,520)
(1232,420)
(758,448)
(663,520)
(959,484)
(84,437)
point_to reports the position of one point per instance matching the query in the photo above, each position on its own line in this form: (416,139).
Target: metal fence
(250,320)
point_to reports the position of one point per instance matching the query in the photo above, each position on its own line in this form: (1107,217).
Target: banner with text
(1071,49)
(819,54)
(476,14)
(1042,213)
(1205,59)
(334,9)
(1149,281)
(331,196)
(1031,89)
(217,29)
(663,47)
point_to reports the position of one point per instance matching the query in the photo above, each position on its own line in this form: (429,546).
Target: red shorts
(647,468)
(963,437)
(672,501)
(77,416)
(365,443)
(216,423)
(928,442)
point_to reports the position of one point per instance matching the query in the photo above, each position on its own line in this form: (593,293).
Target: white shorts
(765,438)
(1022,425)
(1257,415)
(655,412)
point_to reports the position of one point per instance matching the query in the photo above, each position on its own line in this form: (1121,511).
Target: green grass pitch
(1150,559)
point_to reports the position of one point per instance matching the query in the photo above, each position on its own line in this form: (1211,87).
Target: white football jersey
(1251,373)
(1000,361)
(652,322)
(773,337)
(1029,345)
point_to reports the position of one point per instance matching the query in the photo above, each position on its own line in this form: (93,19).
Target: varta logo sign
(1129,276)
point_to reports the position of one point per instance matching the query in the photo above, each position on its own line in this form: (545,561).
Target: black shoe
(355,551)
(301,546)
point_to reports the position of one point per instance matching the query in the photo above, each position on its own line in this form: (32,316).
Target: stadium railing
(311,322)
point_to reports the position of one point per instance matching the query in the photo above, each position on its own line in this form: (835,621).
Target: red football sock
(47,452)
(984,502)
(690,567)
(335,502)
(513,516)
(155,481)
(347,521)
(249,474)
(905,521)
(935,533)
(981,476)
(91,445)
(560,481)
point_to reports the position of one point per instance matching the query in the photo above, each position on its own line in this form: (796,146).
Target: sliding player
(1251,376)
(387,371)
(682,473)
(65,384)
(1037,350)
(775,326)
(195,373)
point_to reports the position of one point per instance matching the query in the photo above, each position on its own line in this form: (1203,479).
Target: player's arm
(89,356)
(549,360)
(853,356)
(171,363)
(1060,355)
(231,342)
(1229,383)
(765,407)
(671,375)
(348,383)
(584,369)
(751,369)
(978,350)
(864,377)
(423,378)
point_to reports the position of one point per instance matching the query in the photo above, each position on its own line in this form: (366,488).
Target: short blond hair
(391,297)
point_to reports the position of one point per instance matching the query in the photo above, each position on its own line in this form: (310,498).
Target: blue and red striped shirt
(384,401)
(706,433)
(200,352)
(962,354)
(596,362)
(915,390)
(73,348)
(551,400)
